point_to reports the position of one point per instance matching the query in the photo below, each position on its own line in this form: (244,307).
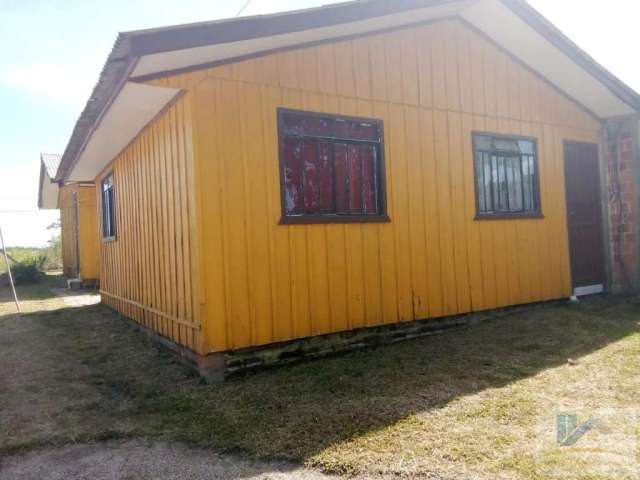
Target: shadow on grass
(40,290)
(297,412)
(300,411)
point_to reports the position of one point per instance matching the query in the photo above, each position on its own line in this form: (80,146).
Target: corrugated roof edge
(51,162)
(129,46)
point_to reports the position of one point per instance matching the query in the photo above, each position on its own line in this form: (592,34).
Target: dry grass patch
(33,298)
(467,403)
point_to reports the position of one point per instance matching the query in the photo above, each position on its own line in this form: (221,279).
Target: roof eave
(131,46)
(556,37)
(149,42)
(114,75)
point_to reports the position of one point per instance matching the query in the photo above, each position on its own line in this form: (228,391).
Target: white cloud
(63,84)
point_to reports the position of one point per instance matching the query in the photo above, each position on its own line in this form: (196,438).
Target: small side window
(108,208)
(506,177)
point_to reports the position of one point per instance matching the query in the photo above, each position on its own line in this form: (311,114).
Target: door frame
(578,291)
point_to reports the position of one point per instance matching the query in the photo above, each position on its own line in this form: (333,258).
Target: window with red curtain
(332,168)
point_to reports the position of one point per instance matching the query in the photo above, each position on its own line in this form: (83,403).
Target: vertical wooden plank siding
(80,240)
(148,271)
(89,237)
(432,85)
(68,230)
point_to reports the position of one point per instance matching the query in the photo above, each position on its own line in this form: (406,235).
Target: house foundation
(217,367)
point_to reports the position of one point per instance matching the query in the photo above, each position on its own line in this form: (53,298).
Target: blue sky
(51,52)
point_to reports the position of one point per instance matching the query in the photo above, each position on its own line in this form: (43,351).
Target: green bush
(29,269)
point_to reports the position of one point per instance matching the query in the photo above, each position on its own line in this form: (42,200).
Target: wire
(243,8)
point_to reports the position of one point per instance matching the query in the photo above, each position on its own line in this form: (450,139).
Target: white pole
(6,261)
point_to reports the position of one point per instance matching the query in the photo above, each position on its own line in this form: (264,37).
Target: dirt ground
(84,395)
(61,418)
(139,460)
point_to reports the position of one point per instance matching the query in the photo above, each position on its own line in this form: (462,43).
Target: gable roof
(48,188)
(120,106)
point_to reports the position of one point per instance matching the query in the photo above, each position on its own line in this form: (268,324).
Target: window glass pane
(483,143)
(364,131)
(311,176)
(355,180)
(488,182)
(505,175)
(105,215)
(325,176)
(527,183)
(495,184)
(108,207)
(107,182)
(308,125)
(112,213)
(480,184)
(506,144)
(502,185)
(318,126)
(527,147)
(293,176)
(342,128)
(292,125)
(330,165)
(533,181)
(368,154)
(515,200)
(341,178)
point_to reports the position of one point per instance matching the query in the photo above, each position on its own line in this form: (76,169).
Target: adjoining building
(78,221)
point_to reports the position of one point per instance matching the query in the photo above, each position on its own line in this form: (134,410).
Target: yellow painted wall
(432,85)
(261,282)
(82,224)
(68,230)
(149,272)
(89,234)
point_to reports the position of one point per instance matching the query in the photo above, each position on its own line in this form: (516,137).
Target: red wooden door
(584,214)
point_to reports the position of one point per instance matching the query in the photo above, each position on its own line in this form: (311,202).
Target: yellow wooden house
(78,221)
(269,179)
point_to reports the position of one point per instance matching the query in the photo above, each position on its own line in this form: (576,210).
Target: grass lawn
(32,298)
(474,403)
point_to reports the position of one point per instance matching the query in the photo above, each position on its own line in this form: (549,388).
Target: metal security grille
(506,176)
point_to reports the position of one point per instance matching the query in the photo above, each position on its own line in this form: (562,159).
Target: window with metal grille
(506,171)
(108,208)
(332,168)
